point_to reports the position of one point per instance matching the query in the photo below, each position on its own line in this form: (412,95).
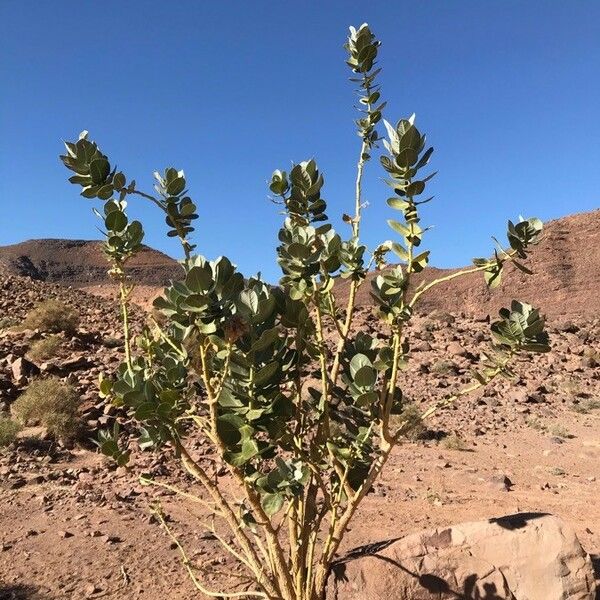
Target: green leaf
(90,192)
(415,188)
(249,450)
(358,361)
(407,158)
(198,279)
(144,411)
(229,428)
(271,503)
(105,192)
(267,338)
(493,278)
(398,203)
(99,170)
(119,181)
(266,373)
(194,303)
(365,377)
(420,261)
(115,221)
(400,251)
(176,186)
(400,228)
(366,399)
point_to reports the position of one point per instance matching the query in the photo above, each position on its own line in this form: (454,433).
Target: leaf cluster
(302,418)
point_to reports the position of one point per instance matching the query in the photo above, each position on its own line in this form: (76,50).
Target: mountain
(81,263)
(566,266)
(566,280)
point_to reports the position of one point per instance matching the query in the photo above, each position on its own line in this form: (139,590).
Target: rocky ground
(74,526)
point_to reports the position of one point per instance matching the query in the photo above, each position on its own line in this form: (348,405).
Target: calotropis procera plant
(303,422)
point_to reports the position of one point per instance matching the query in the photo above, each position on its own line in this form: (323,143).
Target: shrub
(454,442)
(8,431)
(536,424)
(52,404)
(44,348)
(112,342)
(233,359)
(444,367)
(442,316)
(52,316)
(559,430)
(8,322)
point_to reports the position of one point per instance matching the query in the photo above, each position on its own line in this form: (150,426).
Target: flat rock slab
(528,556)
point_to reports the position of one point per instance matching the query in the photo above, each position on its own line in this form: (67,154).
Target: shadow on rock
(21,592)
(529,555)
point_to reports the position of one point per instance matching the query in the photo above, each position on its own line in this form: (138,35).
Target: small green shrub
(410,420)
(8,431)
(580,408)
(454,442)
(571,387)
(442,316)
(428,326)
(52,316)
(52,404)
(8,322)
(45,348)
(560,431)
(112,342)
(303,422)
(444,367)
(536,424)
(591,358)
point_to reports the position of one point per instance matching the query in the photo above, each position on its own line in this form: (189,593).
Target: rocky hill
(531,446)
(80,263)
(566,265)
(566,280)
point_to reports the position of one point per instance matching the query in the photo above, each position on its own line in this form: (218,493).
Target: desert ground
(74,525)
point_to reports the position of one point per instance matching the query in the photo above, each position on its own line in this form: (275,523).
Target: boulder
(22,369)
(528,556)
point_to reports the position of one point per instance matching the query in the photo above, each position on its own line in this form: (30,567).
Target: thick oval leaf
(115,221)
(265,374)
(271,503)
(99,170)
(365,377)
(198,279)
(358,361)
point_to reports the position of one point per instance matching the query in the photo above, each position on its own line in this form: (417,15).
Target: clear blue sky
(508,93)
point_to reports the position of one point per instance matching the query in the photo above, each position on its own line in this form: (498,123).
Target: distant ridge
(81,263)
(566,264)
(566,280)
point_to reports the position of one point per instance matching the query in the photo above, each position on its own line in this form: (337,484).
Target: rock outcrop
(527,556)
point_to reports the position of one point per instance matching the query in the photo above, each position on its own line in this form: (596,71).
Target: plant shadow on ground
(435,584)
(20,591)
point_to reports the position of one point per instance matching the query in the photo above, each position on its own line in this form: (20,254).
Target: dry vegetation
(52,316)
(51,404)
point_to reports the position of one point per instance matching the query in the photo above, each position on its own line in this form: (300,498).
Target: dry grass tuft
(52,404)
(45,348)
(52,316)
(8,431)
